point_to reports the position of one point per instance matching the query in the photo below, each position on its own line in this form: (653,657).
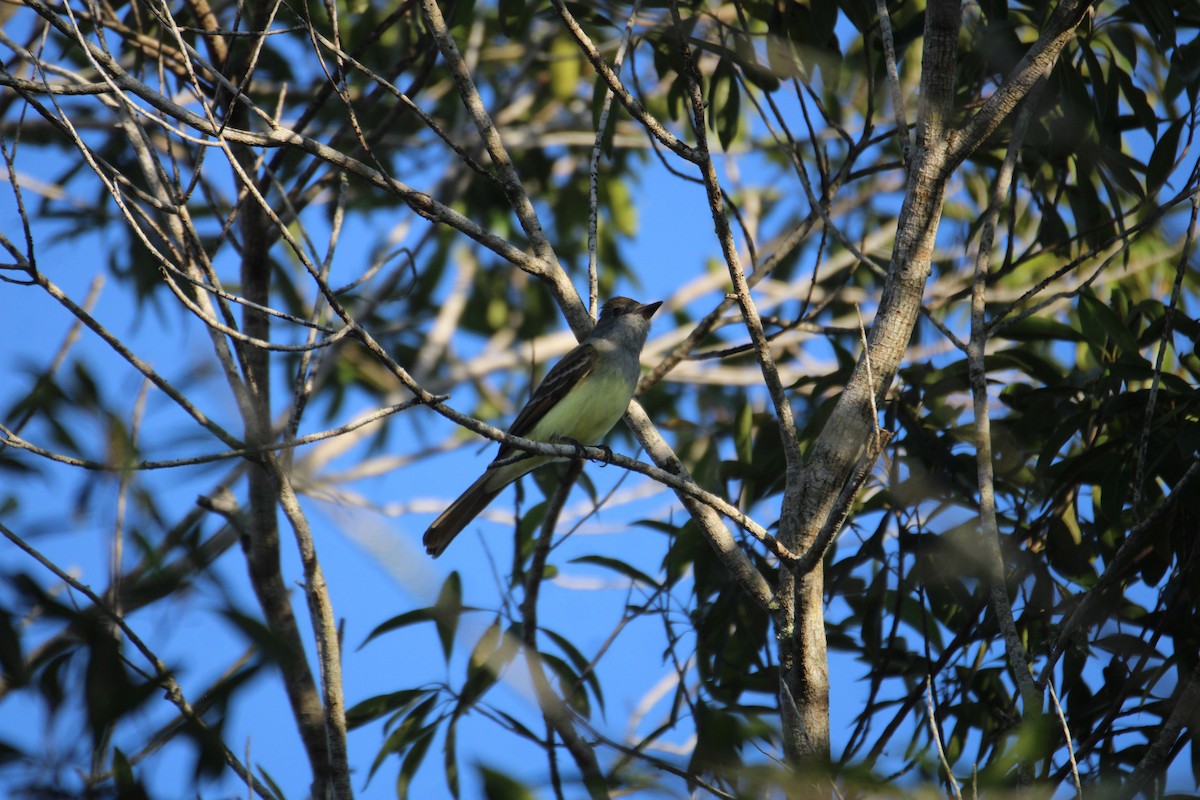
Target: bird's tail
(460,513)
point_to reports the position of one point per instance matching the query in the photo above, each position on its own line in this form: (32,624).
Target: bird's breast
(590,409)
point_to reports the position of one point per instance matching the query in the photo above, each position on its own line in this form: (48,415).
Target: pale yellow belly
(588,412)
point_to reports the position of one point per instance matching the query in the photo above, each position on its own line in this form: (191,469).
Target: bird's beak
(647,310)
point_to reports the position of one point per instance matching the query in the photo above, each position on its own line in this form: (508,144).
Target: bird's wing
(574,367)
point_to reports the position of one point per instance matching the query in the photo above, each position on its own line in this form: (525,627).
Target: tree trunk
(804,669)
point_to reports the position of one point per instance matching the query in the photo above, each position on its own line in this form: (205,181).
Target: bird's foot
(581,450)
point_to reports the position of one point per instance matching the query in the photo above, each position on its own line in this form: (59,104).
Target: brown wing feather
(573,368)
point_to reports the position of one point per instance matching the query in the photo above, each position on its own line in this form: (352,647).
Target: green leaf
(462,12)
(1143,111)
(743,428)
(1102,321)
(493,652)
(12,661)
(569,684)
(1156,15)
(412,761)
(1162,160)
(450,756)
(408,732)
(498,786)
(258,634)
(447,611)
(109,692)
(128,787)
(375,707)
(565,68)
(719,737)
(618,566)
(724,103)
(580,663)
(622,208)
(1127,644)
(1029,362)
(413,617)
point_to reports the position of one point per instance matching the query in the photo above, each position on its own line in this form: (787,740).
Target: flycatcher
(580,400)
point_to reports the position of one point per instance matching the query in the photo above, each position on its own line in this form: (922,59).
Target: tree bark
(804,670)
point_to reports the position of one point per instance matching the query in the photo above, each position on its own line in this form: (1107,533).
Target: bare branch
(893,78)
(1068,739)
(325,633)
(1168,327)
(935,733)
(1033,66)
(278,136)
(722,541)
(141,366)
(557,281)
(554,708)
(12,439)
(594,167)
(1018,660)
(631,104)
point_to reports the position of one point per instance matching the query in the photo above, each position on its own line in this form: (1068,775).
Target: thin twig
(555,708)
(10,438)
(631,104)
(727,548)
(510,182)
(594,166)
(1068,739)
(141,366)
(1018,659)
(1168,327)
(276,136)
(325,633)
(893,79)
(936,733)
(783,409)
(866,354)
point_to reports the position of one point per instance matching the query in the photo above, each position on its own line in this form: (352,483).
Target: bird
(579,401)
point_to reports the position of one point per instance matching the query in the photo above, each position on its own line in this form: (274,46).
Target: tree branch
(1186,704)
(1033,66)
(510,182)
(554,708)
(325,633)
(706,519)
(278,136)
(802,650)
(631,104)
(1018,660)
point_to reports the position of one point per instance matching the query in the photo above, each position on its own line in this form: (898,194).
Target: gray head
(627,319)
